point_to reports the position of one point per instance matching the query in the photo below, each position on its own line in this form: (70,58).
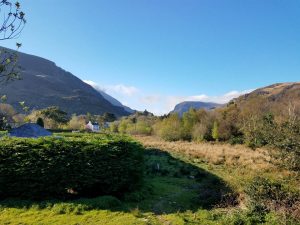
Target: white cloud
(164,104)
(150,99)
(94,85)
(122,89)
(219,99)
(114,89)
(158,104)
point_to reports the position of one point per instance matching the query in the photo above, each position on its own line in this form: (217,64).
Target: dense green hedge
(72,165)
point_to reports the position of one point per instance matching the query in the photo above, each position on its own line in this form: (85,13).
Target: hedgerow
(69,166)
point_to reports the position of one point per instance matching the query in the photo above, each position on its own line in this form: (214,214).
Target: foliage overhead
(11,28)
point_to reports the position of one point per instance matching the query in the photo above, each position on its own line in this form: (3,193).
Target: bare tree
(14,20)
(11,28)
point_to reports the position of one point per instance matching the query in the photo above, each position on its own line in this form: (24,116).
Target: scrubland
(237,165)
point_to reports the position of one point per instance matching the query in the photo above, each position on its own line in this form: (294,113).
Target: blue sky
(153,54)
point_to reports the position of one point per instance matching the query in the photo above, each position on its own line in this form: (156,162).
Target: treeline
(51,118)
(141,123)
(254,122)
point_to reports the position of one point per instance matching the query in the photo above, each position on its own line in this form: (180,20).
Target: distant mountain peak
(185,106)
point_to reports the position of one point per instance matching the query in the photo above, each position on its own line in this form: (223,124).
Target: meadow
(184,183)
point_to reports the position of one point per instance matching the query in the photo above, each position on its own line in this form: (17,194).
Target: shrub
(237,139)
(74,166)
(283,137)
(266,195)
(286,138)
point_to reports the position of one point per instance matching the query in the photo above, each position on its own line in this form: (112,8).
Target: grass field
(185,183)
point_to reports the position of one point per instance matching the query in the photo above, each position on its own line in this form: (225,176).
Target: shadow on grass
(171,185)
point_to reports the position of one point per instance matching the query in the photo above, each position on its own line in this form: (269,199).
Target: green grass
(176,190)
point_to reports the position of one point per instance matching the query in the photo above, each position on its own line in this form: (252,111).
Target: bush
(265,195)
(74,166)
(284,137)
(238,139)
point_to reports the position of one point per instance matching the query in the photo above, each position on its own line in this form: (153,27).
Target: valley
(149,112)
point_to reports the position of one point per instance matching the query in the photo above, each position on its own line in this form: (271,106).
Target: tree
(114,127)
(90,117)
(7,112)
(12,26)
(57,116)
(201,131)
(14,20)
(215,131)
(189,119)
(170,129)
(109,117)
(77,122)
(3,99)
(40,122)
(24,107)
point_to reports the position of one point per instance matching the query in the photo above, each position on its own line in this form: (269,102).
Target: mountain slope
(109,98)
(44,84)
(273,98)
(281,100)
(185,106)
(274,94)
(115,102)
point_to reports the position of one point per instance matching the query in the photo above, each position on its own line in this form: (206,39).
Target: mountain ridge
(108,97)
(45,84)
(185,106)
(277,92)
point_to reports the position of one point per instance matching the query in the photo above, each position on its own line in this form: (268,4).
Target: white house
(94,127)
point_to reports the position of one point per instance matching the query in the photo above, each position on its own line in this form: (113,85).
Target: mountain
(279,93)
(115,102)
(44,84)
(185,106)
(271,98)
(109,98)
(281,100)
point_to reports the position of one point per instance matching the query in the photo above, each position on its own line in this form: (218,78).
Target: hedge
(74,166)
